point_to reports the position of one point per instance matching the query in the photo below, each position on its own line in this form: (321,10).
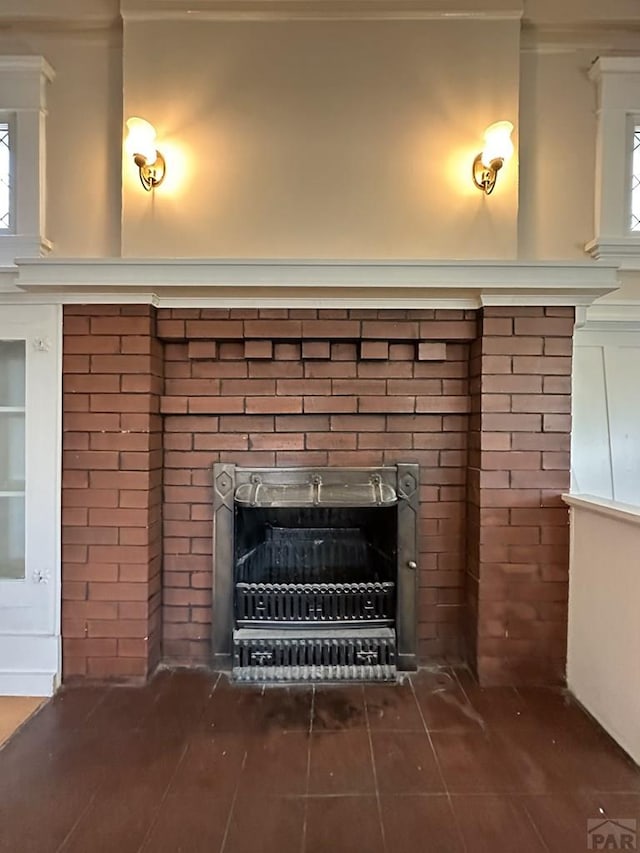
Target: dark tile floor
(190,763)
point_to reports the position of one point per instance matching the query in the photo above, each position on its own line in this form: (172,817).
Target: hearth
(315,572)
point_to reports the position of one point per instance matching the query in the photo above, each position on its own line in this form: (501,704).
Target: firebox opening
(316,545)
(315,565)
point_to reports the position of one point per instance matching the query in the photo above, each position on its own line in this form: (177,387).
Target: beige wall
(557,154)
(320,139)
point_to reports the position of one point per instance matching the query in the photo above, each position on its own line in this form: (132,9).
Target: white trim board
(624,252)
(609,316)
(135,11)
(21,680)
(300,282)
(602,506)
(28,683)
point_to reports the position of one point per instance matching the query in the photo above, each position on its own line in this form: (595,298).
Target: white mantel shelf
(294,283)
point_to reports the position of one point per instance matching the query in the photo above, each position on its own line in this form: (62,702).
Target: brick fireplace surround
(480,399)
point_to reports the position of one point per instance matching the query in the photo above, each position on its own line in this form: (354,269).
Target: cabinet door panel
(30,350)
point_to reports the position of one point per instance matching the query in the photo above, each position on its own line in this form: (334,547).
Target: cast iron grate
(315,603)
(314,576)
(319,657)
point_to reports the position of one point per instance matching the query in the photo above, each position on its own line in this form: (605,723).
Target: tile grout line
(225,837)
(92,798)
(154,819)
(439,766)
(83,812)
(515,795)
(511,795)
(375,772)
(156,813)
(98,786)
(364,796)
(206,704)
(544,844)
(97,705)
(227,827)
(306,790)
(535,794)
(213,689)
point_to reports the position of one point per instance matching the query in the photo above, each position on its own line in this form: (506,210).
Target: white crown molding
(22,245)
(597,37)
(24,64)
(88,12)
(614,65)
(228,283)
(609,316)
(281,10)
(81,30)
(8,275)
(23,82)
(622,252)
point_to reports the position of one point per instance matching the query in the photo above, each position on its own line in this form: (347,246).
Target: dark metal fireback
(315,572)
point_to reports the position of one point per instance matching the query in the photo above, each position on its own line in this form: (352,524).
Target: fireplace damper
(315,572)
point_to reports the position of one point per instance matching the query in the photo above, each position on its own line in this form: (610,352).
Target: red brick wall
(153,399)
(306,387)
(111,492)
(518,552)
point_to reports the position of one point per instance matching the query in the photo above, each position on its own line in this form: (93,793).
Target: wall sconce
(497,149)
(141,145)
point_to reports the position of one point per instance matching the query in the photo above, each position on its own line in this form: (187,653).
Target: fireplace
(154,398)
(315,572)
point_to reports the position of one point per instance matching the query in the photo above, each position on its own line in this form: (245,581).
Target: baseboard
(627,741)
(27,683)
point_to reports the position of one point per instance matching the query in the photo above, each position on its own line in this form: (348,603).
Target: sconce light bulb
(497,149)
(140,144)
(141,141)
(497,144)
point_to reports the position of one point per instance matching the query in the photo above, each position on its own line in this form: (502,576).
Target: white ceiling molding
(261,10)
(60,12)
(79,29)
(597,36)
(572,13)
(303,283)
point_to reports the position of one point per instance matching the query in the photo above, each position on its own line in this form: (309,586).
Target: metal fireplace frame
(401,480)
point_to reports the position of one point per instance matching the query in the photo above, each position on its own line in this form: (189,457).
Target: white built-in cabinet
(606,414)
(30,382)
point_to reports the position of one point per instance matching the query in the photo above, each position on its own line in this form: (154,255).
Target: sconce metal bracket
(151,174)
(484,177)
